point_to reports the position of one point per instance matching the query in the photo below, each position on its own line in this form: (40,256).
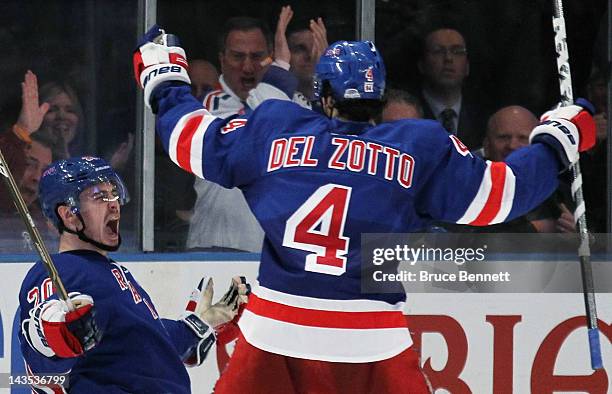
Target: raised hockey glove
(159,58)
(568,130)
(54,330)
(227,307)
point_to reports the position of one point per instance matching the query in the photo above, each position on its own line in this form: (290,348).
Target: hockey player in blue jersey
(316,183)
(113,341)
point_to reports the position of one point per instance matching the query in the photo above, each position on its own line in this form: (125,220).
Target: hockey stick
(584,252)
(33,230)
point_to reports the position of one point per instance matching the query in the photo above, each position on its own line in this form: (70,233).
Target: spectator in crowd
(222,220)
(63,120)
(508,129)
(306,45)
(27,161)
(444,65)
(400,104)
(594,163)
(204,77)
(26,154)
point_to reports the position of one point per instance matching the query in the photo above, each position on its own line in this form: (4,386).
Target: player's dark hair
(402,96)
(244,23)
(356,110)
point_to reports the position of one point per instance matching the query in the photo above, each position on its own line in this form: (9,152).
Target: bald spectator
(401,105)
(204,77)
(445,66)
(507,130)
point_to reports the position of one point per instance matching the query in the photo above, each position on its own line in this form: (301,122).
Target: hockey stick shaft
(567,98)
(11,185)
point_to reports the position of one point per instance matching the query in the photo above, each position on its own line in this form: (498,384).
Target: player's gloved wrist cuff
(154,75)
(197,325)
(586,104)
(196,354)
(555,145)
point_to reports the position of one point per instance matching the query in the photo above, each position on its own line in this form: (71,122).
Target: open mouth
(112,227)
(248,83)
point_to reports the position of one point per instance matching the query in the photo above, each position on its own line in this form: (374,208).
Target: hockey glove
(201,316)
(568,130)
(53,330)
(223,311)
(196,354)
(159,59)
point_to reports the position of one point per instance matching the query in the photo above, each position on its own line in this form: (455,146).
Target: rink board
(480,343)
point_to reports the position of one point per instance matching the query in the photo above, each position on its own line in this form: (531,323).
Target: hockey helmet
(354,69)
(63,181)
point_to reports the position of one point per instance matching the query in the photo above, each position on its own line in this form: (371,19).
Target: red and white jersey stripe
(355,331)
(187,139)
(493,201)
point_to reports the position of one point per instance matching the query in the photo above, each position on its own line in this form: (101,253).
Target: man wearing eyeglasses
(445,66)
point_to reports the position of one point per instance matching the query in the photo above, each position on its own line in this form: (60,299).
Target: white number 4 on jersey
(318,226)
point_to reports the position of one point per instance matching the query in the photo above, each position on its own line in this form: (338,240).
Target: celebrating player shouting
(316,183)
(113,341)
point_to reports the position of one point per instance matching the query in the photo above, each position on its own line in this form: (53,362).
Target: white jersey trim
(323,344)
(356,345)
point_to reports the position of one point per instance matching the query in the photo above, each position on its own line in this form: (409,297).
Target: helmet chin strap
(85,238)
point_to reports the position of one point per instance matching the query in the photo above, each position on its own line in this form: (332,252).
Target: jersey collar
(348,127)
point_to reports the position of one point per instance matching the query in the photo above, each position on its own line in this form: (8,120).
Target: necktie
(447,117)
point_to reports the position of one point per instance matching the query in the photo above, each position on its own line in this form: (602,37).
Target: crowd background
(87,46)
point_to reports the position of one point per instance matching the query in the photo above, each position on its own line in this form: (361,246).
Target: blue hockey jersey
(139,352)
(315,185)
